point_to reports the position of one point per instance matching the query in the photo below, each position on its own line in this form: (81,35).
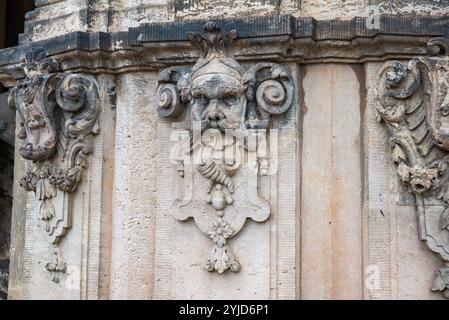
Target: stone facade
(198,150)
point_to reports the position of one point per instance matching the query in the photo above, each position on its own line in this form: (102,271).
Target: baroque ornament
(58,113)
(414,105)
(226,113)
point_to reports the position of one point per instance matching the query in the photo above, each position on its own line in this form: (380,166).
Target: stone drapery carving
(414,105)
(226,114)
(58,114)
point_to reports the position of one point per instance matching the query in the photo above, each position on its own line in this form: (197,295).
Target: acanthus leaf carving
(414,105)
(58,114)
(225,113)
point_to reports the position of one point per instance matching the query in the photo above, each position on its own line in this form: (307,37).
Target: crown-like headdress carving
(215,55)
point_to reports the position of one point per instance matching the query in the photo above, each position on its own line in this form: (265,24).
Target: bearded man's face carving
(218,101)
(235,103)
(221,94)
(216,91)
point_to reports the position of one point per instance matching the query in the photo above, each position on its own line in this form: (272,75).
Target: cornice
(277,38)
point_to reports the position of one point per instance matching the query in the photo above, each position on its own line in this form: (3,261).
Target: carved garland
(230,108)
(58,114)
(414,105)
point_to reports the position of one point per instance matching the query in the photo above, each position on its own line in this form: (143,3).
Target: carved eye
(231,100)
(202,99)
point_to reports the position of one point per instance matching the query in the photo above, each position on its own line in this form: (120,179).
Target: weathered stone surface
(219,8)
(412,102)
(55,18)
(431,7)
(151,46)
(341,224)
(416,265)
(133,210)
(331,222)
(337,9)
(380,202)
(332,9)
(18,273)
(65,107)
(6,178)
(131,13)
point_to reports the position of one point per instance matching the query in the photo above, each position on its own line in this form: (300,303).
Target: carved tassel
(222,259)
(441,281)
(46,191)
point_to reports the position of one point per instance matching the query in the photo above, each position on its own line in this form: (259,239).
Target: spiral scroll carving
(438,46)
(78,97)
(397,84)
(168,100)
(271,86)
(172,91)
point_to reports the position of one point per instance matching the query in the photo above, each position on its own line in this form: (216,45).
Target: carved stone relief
(414,106)
(223,134)
(58,115)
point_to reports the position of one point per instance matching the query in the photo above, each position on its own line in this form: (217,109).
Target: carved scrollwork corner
(58,115)
(413,103)
(172,91)
(269,90)
(438,46)
(229,109)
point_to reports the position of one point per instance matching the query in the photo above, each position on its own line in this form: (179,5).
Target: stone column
(331,198)
(134,197)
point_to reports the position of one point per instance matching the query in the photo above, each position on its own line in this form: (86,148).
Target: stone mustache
(232,106)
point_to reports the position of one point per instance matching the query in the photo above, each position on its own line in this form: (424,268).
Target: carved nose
(28,147)
(214,111)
